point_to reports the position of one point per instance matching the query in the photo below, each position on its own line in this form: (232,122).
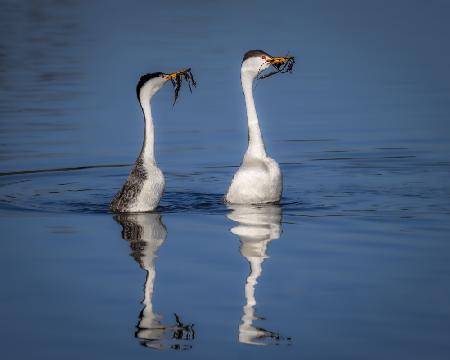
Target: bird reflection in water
(146,233)
(258,225)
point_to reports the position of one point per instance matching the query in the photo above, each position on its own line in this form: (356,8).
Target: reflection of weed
(163,337)
(276,338)
(183,331)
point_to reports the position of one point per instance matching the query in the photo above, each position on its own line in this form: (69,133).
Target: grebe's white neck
(255,141)
(145,97)
(148,148)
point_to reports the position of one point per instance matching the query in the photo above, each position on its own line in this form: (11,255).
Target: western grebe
(258,179)
(145,184)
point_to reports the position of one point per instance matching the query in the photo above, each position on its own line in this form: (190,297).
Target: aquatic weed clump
(280,66)
(177,80)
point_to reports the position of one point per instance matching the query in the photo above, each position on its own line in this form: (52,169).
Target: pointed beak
(278,60)
(175,74)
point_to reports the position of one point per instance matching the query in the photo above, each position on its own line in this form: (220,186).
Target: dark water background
(355,263)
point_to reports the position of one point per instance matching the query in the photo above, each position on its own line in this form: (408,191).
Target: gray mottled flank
(129,192)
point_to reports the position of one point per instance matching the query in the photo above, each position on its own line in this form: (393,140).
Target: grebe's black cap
(144,79)
(253,53)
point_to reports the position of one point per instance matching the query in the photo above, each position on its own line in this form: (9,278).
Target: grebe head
(256,61)
(149,84)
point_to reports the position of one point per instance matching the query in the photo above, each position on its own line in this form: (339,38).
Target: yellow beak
(279,60)
(175,74)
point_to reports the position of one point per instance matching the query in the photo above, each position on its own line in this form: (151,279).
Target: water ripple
(391,188)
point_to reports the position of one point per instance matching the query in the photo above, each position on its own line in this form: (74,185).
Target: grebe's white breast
(257,181)
(151,191)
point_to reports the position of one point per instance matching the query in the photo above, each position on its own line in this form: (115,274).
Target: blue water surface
(353,264)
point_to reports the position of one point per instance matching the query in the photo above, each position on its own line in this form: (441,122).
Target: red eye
(263,57)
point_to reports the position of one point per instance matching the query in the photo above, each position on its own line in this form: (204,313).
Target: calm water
(354,263)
